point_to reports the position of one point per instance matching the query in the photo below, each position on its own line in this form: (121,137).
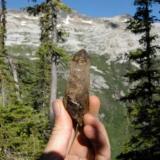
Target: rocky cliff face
(97,35)
(22,29)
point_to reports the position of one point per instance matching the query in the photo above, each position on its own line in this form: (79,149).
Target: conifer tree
(48,52)
(8,73)
(143,99)
(7,89)
(2,49)
(23,132)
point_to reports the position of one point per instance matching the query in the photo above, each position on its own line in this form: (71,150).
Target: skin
(63,141)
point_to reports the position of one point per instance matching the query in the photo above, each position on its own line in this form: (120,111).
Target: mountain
(106,40)
(101,36)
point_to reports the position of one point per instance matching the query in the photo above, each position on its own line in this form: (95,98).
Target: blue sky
(96,8)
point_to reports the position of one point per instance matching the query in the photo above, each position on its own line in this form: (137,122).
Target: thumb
(62,130)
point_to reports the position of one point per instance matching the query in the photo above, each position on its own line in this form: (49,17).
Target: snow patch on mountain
(22,29)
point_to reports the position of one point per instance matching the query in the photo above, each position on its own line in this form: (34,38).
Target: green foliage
(143,107)
(63,7)
(49,49)
(40,8)
(2,35)
(48,53)
(41,85)
(6,78)
(23,132)
(2,45)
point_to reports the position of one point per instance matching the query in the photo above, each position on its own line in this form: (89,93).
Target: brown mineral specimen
(76,99)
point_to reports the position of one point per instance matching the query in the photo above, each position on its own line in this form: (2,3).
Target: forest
(128,86)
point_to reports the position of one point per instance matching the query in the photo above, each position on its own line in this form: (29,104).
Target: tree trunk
(15,77)
(3,93)
(54,58)
(53,95)
(2,48)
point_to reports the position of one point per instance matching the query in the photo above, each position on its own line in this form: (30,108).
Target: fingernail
(56,108)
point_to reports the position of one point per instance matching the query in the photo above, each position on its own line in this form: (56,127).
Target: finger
(94,105)
(95,131)
(62,130)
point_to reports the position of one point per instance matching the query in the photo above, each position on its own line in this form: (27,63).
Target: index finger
(94,105)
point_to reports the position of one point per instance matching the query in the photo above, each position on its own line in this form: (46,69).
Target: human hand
(92,141)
